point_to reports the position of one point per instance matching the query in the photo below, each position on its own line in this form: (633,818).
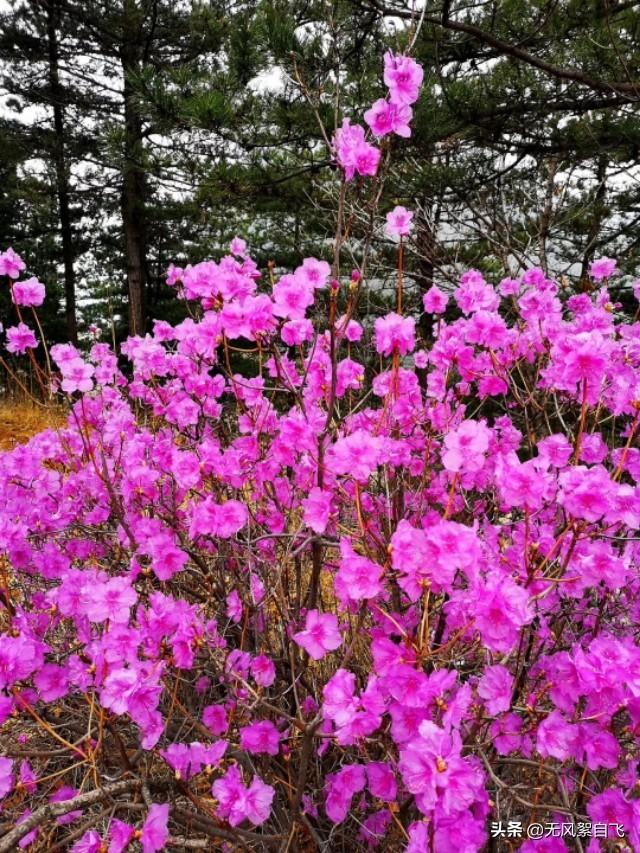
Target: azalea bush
(364,594)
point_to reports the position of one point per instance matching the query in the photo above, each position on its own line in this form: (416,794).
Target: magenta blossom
(603,268)
(313,273)
(385,117)
(340,789)
(496,687)
(353,153)
(155,828)
(320,636)
(11,264)
(394,333)
(263,670)
(120,834)
(399,222)
(466,447)
(20,338)
(29,293)
(237,803)
(215,719)
(317,507)
(403,76)
(260,737)
(77,376)
(435,301)
(90,842)
(292,295)
(6,776)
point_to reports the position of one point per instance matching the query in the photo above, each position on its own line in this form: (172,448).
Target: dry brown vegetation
(20,419)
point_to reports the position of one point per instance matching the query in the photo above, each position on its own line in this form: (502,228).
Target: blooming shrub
(343,601)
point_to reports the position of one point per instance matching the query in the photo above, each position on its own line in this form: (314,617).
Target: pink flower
(11,264)
(218,520)
(435,301)
(586,493)
(234,606)
(555,450)
(66,792)
(155,828)
(215,719)
(509,287)
(296,332)
(433,555)
(474,294)
(384,117)
(600,747)
(120,834)
(187,760)
(260,737)
(382,781)
(549,845)
(421,359)
(399,222)
(313,273)
(466,447)
(358,577)
(418,838)
(263,670)
(257,801)
(611,807)
(237,803)
(374,828)
(320,636)
(505,733)
(77,376)
(496,687)
(357,454)
(350,328)
(603,268)
(52,682)
(20,338)
(556,737)
(353,153)
(501,610)
(339,703)
(30,837)
(340,788)
(317,507)
(238,247)
(257,589)
(6,776)
(29,293)
(27,777)
(403,76)
(166,559)
(229,791)
(395,333)
(432,768)
(520,483)
(291,297)
(90,842)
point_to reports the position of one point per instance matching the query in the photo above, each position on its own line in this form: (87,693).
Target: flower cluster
(391,115)
(359,594)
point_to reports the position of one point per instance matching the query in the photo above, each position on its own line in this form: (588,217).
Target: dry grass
(20,419)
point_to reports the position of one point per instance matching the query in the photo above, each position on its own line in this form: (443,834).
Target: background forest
(136,133)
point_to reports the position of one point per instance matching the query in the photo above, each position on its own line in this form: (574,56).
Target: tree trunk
(134,184)
(62,174)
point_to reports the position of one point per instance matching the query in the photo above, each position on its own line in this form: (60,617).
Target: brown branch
(9,841)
